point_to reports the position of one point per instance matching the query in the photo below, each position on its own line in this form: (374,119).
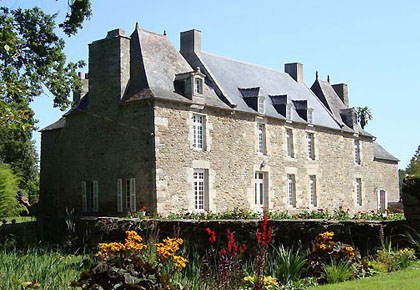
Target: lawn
(20,219)
(408,279)
(51,269)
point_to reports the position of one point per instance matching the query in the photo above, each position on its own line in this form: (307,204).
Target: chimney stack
(191,41)
(342,92)
(295,70)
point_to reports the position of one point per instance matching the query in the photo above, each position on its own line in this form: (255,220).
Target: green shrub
(9,205)
(286,264)
(337,271)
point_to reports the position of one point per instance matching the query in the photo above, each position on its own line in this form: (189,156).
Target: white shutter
(84,198)
(95,195)
(133,194)
(119,195)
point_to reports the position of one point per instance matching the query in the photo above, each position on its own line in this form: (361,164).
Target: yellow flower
(168,248)
(349,249)
(327,235)
(180,262)
(332,243)
(323,247)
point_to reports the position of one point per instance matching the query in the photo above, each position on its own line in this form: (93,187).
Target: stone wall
(387,179)
(231,160)
(365,235)
(94,147)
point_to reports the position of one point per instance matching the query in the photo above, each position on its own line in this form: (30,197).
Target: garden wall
(363,234)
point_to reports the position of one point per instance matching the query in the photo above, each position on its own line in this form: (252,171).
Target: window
(200,189)
(259,191)
(198,86)
(126,191)
(261,105)
(312,189)
(358,191)
(289,111)
(90,196)
(261,138)
(357,151)
(289,143)
(311,146)
(291,190)
(198,132)
(310,116)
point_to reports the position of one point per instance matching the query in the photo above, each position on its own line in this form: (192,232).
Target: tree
(9,204)
(32,58)
(364,115)
(414,167)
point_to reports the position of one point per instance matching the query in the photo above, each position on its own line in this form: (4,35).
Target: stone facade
(129,140)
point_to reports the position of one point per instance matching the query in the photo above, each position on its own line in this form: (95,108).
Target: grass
(408,279)
(20,219)
(52,269)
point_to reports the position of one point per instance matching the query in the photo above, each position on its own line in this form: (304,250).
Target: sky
(373,46)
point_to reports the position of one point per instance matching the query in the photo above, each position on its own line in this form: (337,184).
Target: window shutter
(95,195)
(133,194)
(119,195)
(84,198)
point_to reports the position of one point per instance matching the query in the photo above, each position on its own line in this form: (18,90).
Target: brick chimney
(191,41)
(342,92)
(295,70)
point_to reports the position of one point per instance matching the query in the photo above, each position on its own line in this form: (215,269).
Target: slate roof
(160,62)
(233,75)
(56,125)
(380,153)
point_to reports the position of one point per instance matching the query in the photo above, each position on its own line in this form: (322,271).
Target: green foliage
(51,269)
(9,205)
(270,283)
(286,264)
(32,58)
(80,10)
(388,259)
(246,214)
(414,167)
(134,265)
(364,115)
(325,249)
(337,271)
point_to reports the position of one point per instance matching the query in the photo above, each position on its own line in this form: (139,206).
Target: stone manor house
(190,131)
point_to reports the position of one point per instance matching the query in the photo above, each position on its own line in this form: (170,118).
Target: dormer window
(289,111)
(190,84)
(198,86)
(310,116)
(261,105)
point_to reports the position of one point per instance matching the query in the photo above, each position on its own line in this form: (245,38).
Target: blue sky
(373,46)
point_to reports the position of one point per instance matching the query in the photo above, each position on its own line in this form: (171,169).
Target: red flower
(212,235)
(242,248)
(264,235)
(222,252)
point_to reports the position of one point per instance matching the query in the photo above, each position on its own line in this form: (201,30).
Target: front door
(259,191)
(382,200)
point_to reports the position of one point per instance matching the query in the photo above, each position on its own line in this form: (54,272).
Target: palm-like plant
(364,115)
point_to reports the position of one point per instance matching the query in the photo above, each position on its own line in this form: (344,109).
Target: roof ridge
(151,32)
(244,62)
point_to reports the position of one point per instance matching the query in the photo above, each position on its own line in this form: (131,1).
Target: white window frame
(289,111)
(310,116)
(130,194)
(198,86)
(261,105)
(119,195)
(311,145)
(291,190)
(90,196)
(200,187)
(312,191)
(356,145)
(289,143)
(260,191)
(198,132)
(358,192)
(261,145)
